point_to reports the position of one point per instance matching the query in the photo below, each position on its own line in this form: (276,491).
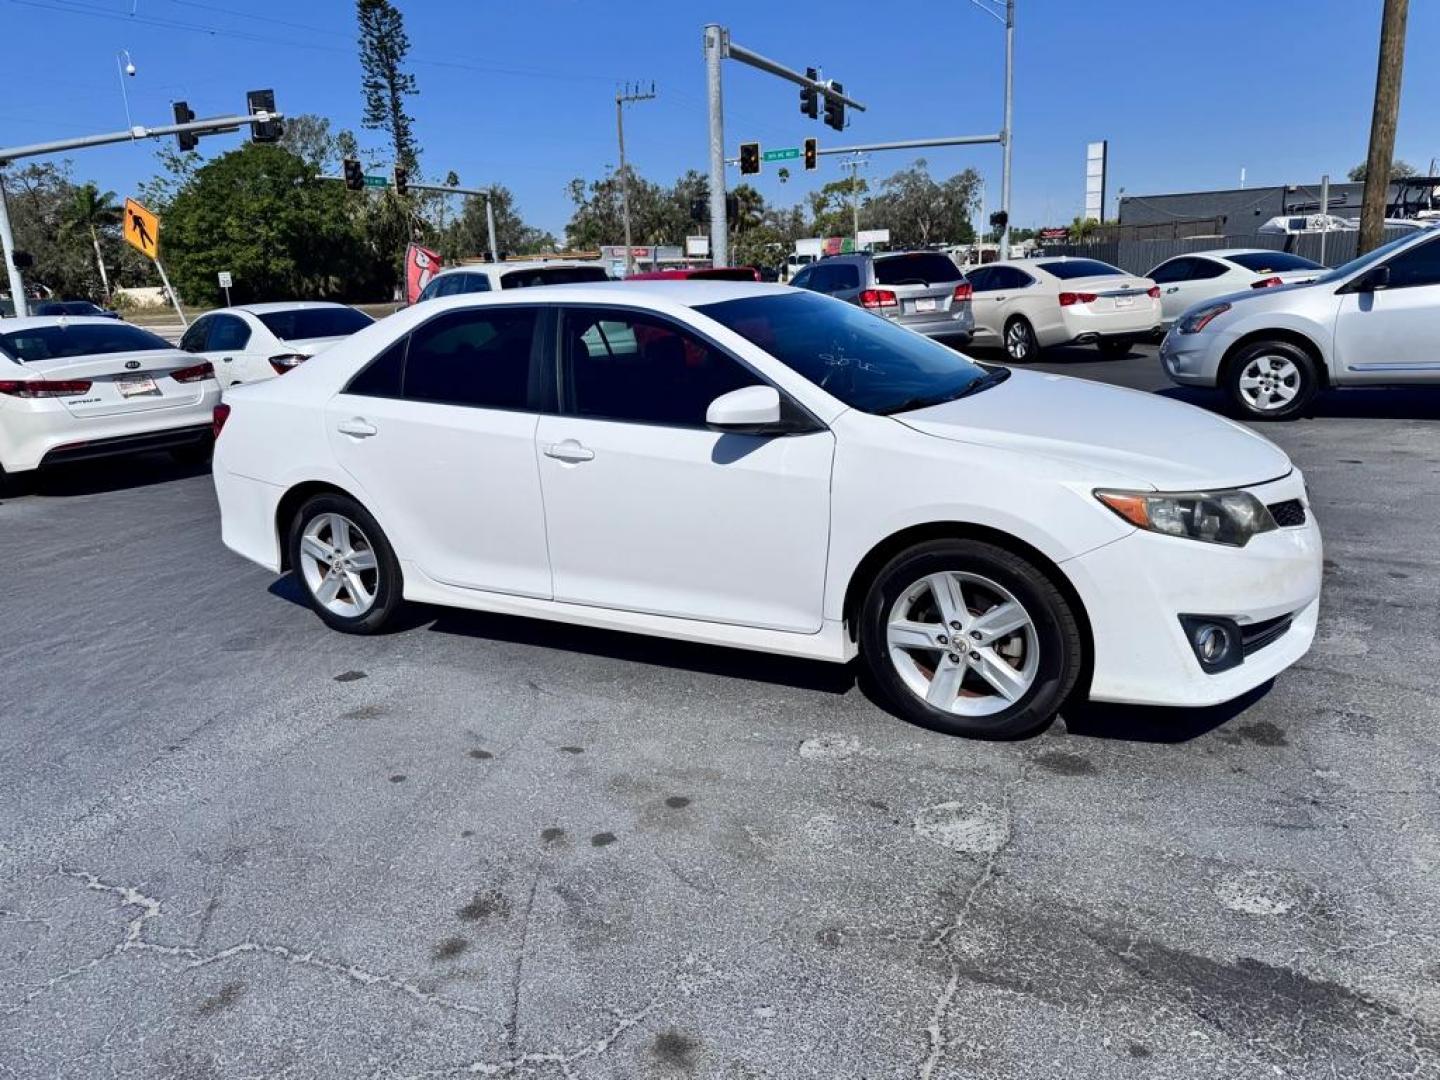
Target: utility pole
(1009,132)
(854,165)
(1382,125)
(621,98)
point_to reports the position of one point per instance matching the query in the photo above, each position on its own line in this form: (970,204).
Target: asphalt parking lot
(239,845)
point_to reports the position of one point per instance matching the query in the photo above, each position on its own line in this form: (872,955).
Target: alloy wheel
(1269,382)
(1017,341)
(339,565)
(963,643)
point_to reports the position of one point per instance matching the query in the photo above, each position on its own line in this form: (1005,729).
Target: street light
(124,71)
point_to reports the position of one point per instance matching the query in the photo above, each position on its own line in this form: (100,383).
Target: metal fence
(1142,256)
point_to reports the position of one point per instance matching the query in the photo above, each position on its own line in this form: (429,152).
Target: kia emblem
(132,364)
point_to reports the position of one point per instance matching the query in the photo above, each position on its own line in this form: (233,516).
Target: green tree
(261,213)
(469,235)
(1399,168)
(308,137)
(384,81)
(92,211)
(920,211)
(832,211)
(1080,228)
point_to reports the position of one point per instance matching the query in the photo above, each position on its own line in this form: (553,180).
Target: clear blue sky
(523,93)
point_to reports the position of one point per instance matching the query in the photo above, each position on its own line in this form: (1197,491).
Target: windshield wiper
(993,377)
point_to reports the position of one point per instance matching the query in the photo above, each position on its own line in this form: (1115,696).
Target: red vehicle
(704,273)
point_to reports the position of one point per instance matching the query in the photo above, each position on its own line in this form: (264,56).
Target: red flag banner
(421,264)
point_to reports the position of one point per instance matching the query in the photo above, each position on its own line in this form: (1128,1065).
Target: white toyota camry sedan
(758,466)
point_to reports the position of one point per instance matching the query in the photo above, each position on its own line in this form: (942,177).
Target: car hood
(1131,437)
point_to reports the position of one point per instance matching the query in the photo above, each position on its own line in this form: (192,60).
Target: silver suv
(921,290)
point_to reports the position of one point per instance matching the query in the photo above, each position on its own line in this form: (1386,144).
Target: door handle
(360,429)
(570,451)
(1173,288)
(999,298)
(225,359)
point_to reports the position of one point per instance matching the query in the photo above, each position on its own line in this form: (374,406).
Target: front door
(439,431)
(1393,334)
(648,510)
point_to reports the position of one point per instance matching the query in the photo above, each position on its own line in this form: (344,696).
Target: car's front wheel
(345,564)
(1272,380)
(971,639)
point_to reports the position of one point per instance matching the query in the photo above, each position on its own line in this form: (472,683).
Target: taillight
(218,418)
(1153,292)
(194,373)
(38,388)
(285,361)
(1265,283)
(1069,298)
(878,298)
(963,291)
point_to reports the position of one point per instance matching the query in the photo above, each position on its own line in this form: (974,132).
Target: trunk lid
(123,382)
(1112,292)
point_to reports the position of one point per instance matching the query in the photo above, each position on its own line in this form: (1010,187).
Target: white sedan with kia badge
(766,468)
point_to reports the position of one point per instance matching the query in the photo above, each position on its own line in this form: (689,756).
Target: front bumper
(1135,589)
(1193,359)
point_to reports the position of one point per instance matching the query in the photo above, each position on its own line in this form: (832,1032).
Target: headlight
(1197,320)
(1216,517)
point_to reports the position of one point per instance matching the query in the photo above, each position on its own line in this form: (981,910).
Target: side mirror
(1377,277)
(751,410)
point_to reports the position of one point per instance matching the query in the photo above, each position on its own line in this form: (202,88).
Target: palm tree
(91,210)
(1081,228)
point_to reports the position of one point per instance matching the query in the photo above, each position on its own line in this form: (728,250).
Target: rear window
(919,269)
(552,275)
(302,323)
(1272,262)
(724,273)
(58,342)
(1078,268)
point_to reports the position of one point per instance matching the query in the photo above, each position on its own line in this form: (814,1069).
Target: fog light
(1215,641)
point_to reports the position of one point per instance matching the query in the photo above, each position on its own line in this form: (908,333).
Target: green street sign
(377,181)
(784,154)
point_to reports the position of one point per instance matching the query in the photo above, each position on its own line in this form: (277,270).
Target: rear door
(923,283)
(648,510)
(227,340)
(1204,279)
(1169,277)
(439,430)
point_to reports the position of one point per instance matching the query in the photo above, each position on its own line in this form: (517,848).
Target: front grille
(1255,636)
(1289,513)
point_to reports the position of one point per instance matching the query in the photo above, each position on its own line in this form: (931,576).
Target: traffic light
(402,180)
(257,101)
(354,175)
(809,96)
(812,154)
(749,158)
(188,140)
(999,219)
(835,108)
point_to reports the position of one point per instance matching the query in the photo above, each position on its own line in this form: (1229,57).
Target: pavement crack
(516,983)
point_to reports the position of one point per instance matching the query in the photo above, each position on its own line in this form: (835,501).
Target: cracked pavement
(238,845)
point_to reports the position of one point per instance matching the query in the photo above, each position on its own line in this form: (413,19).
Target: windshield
(1078,268)
(78,339)
(862,359)
(553,275)
(301,323)
(1368,259)
(1272,262)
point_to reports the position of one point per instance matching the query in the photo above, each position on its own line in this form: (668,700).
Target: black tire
(1262,357)
(384,580)
(1114,348)
(195,454)
(1057,637)
(1019,341)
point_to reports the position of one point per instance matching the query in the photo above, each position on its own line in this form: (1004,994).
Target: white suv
(491,277)
(1370,322)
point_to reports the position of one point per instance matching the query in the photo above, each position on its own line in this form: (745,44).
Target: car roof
(524,264)
(689,293)
(278,305)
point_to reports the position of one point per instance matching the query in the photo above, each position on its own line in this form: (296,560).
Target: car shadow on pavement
(1151,724)
(1349,403)
(99,476)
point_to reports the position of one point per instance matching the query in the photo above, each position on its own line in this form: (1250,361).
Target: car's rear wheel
(345,564)
(1272,380)
(970,639)
(1020,343)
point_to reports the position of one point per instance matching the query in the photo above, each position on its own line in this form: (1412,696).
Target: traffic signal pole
(719,47)
(10,154)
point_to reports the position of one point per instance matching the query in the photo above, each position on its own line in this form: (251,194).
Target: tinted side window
(822,278)
(1204,269)
(1007,277)
(624,365)
(381,377)
(981,279)
(194,338)
(1166,272)
(227,332)
(1417,266)
(474,283)
(478,357)
(847,276)
(802,279)
(431,290)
